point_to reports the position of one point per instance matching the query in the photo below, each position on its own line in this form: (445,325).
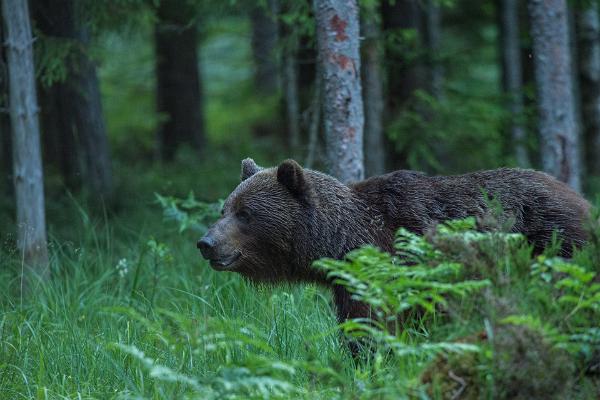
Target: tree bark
(512,76)
(373,96)
(555,99)
(265,37)
(5,131)
(588,34)
(339,63)
(315,121)
(89,121)
(432,34)
(291,95)
(5,152)
(27,163)
(72,116)
(402,77)
(179,93)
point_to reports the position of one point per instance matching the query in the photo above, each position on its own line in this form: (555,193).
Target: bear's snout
(207,247)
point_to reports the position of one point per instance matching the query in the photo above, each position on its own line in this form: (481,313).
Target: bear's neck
(338,221)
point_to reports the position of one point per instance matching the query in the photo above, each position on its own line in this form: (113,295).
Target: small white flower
(122,267)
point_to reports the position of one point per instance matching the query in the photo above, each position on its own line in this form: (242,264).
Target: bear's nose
(206,246)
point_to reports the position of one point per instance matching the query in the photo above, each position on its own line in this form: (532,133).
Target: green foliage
(190,213)
(53,56)
(464,123)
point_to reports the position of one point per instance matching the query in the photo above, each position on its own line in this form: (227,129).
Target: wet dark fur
(299,215)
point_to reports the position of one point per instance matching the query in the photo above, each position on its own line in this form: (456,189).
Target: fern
(189,213)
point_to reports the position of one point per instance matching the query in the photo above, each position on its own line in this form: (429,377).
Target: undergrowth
(459,313)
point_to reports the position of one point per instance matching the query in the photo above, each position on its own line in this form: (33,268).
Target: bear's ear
(249,168)
(291,175)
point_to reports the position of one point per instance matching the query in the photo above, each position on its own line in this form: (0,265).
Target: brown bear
(279,220)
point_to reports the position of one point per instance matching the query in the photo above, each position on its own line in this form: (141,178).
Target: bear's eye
(244,215)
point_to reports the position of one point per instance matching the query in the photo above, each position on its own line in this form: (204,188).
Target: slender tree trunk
(5,152)
(59,143)
(339,63)
(432,34)
(27,163)
(553,76)
(72,116)
(56,20)
(5,131)
(512,76)
(373,95)
(402,77)
(89,121)
(179,94)
(292,99)
(315,122)
(588,33)
(265,37)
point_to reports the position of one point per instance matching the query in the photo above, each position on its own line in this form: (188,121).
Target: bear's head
(263,232)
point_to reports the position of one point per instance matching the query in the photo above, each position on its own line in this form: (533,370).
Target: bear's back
(538,203)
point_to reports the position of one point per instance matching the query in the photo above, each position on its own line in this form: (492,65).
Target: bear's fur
(279,220)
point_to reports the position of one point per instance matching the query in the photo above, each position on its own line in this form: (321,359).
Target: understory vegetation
(460,314)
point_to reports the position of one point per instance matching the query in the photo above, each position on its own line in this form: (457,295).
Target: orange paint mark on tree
(339,26)
(341,60)
(350,133)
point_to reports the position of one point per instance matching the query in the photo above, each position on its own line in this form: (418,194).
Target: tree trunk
(292,100)
(179,95)
(315,121)
(339,64)
(27,163)
(5,131)
(59,143)
(5,152)
(72,116)
(403,77)
(555,100)
(373,95)
(512,76)
(90,126)
(432,33)
(588,33)
(265,36)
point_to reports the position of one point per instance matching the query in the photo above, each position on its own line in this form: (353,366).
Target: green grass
(58,340)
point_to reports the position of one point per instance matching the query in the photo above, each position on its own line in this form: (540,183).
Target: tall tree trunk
(90,126)
(5,153)
(553,76)
(373,95)
(265,36)
(512,76)
(72,116)
(403,77)
(59,142)
(5,131)
(588,34)
(315,121)
(27,163)
(291,95)
(339,64)
(179,95)
(432,34)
